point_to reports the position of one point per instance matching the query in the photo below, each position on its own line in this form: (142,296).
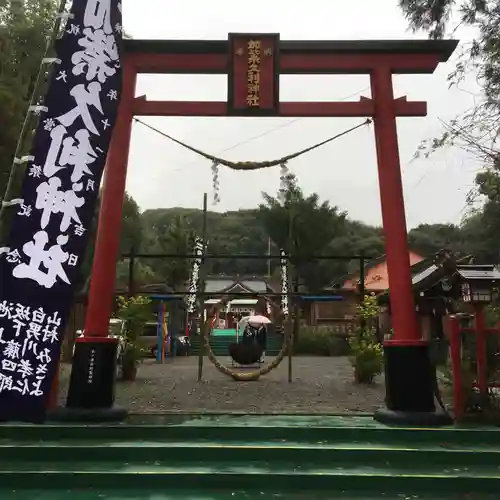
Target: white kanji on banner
(52,200)
(85,99)
(97,15)
(99,55)
(51,258)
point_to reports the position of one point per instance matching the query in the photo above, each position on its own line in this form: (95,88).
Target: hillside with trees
(316,228)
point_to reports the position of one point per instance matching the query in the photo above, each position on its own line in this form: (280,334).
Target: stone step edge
(301,447)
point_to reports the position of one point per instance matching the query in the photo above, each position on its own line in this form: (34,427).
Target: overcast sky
(162,174)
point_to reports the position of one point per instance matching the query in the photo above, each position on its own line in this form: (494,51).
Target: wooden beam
(179,63)
(348,64)
(289,63)
(362,108)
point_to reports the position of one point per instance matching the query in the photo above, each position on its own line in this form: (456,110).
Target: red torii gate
(409,381)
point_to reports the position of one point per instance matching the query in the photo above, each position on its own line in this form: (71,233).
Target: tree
(482,226)
(476,130)
(302,226)
(131,235)
(24,27)
(430,238)
(178,239)
(132,230)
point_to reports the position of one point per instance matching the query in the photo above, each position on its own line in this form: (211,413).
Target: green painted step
(117,494)
(248,456)
(220,342)
(452,457)
(250,478)
(255,428)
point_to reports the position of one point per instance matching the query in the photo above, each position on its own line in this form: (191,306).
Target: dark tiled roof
(478,272)
(217,284)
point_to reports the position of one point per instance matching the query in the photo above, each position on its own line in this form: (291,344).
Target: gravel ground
(319,385)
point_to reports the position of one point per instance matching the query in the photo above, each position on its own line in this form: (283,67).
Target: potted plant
(366,352)
(135,312)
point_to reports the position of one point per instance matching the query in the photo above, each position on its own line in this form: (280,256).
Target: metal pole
(292,308)
(159,335)
(303,258)
(293,321)
(131,276)
(201,307)
(269,257)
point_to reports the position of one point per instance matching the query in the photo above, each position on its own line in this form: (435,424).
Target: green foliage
(131,235)
(135,312)
(177,238)
(320,341)
(481,55)
(24,26)
(430,238)
(478,408)
(476,130)
(366,352)
(369,308)
(242,231)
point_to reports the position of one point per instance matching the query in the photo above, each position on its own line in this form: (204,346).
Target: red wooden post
(409,374)
(403,314)
(456,367)
(102,283)
(482,377)
(96,351)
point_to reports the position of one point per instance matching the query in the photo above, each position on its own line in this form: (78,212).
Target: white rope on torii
(250,165)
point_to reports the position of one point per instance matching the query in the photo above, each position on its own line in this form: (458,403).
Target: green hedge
(321,341)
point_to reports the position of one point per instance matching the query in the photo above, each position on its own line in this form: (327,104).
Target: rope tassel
(215,182)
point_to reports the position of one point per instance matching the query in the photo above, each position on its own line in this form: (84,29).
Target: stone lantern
(478,283)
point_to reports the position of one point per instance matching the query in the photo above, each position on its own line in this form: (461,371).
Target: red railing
(456,348)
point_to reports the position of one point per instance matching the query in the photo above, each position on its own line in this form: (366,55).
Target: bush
(367,356)
(321,341)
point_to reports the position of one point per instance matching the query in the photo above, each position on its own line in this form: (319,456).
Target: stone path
(320,385)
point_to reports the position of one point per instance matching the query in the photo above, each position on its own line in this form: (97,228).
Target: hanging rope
(250,165)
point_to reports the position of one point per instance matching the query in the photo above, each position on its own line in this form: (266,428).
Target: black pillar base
(437,418)
(91,394)
(410,381)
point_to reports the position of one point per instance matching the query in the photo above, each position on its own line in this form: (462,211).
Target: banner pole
(201,308)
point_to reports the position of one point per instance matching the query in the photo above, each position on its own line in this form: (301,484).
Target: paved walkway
(320,385)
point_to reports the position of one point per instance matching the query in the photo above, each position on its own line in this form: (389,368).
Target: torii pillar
(409,375)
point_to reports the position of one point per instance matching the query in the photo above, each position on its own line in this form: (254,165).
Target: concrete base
(87,415)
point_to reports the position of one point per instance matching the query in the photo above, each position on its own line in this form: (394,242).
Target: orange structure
(253,63)
(377,274)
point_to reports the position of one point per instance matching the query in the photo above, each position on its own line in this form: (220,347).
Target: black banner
(59,194)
